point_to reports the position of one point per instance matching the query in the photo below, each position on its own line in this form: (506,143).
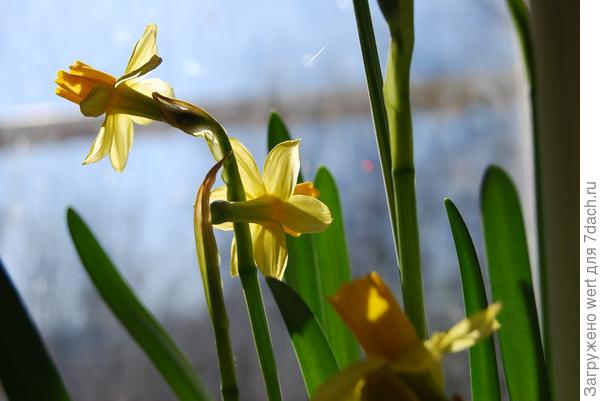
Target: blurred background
(238,60)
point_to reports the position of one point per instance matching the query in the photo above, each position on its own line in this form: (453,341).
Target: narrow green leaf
(368,47)
(520,15)
(334,269)
(314,354)
(482,357)
(510,277)
(302,273)
(522,23)
(26,369)
(138,321)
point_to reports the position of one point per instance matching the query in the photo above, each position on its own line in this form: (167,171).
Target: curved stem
(248,275)
(208,260)
(194,121)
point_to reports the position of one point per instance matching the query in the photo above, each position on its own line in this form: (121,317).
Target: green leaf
(318,264)
(510,277)
(302,272)
(368,48)
(522,23)
(520,15)
(334,269)
(314,354)
(26,369)
(482,357)
(138,321)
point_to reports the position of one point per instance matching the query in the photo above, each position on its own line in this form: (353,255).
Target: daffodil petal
(305,214)
(281,169)
(147,87)
(220,194)
(467,332)
(121,128)
(270,250)
(141,120)
(150,85)
(251,179)
(347,385)
(234,259)
(144,49)
(369,309)
(100,146)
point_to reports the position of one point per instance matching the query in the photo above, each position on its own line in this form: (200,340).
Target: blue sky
(222,49)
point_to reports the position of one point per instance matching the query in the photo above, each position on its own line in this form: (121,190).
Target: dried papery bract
(209,263)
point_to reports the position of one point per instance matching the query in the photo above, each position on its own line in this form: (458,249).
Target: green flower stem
(248,275)
(375,85)
(208,260)
(229,388)
(197,122)
(397,100)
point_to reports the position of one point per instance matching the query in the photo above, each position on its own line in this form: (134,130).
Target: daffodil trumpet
(124,100)
(399,365)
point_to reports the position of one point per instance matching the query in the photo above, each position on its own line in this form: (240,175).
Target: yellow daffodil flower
(399,366)
(125,100)
(274,205)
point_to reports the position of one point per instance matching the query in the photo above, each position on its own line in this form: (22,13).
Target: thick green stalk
(399,15)
(375,84)
(555,30)
(248,275)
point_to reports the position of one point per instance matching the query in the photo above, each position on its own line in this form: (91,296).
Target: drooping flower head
(123,100)
(275,205)
(399,366)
